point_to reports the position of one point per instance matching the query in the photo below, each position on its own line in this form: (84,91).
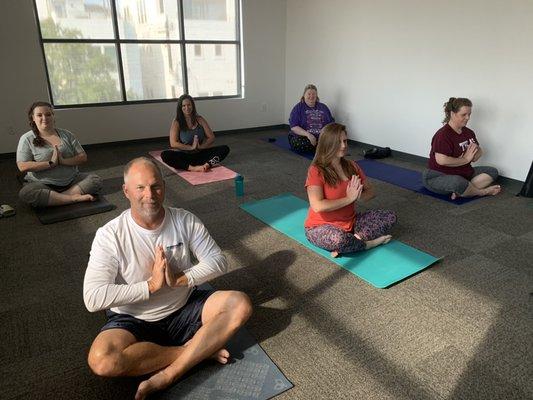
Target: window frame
(117,41)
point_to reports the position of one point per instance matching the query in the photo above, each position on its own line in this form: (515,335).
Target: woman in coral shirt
(334,185)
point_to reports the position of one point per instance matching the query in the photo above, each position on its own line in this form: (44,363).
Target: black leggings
(181,159)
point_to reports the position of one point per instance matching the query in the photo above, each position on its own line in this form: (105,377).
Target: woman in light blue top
(49,157)
(191,140)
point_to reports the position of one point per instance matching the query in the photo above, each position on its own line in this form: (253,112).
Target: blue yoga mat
(405,178)
(282,142)
(381,266)
(402,177)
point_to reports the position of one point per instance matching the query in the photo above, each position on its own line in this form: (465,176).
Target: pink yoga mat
(218,173)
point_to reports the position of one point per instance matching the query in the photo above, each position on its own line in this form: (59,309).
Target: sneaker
(214,161)
(6,211)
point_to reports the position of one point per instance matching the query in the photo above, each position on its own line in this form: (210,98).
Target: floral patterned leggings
(301,144)
(369,225)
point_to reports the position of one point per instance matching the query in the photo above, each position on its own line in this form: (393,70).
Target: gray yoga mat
(250,375)
(50,215)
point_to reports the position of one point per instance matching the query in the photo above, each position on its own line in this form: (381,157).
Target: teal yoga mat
(381,266)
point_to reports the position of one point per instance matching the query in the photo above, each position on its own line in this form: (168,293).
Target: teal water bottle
(239,185)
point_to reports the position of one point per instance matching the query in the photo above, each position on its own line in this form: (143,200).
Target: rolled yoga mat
(218,173)
(251,375)
(381,266)
(50,215)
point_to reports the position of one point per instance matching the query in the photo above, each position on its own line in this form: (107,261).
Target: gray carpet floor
(462,329)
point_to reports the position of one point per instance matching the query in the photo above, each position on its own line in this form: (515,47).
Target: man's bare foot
(376,242)
(222,356)
(492,190)
(161,380)
(79,198)
(454,196)
(334,254)
(156,382)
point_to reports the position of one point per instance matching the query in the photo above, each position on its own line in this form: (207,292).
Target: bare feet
(222,356)
(79,198)
(162,380)
(334,254)
(454,196)
(156,382)
(200,168)
(492,190)
(376,242)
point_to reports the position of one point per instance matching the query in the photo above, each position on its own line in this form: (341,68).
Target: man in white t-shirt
(141,272)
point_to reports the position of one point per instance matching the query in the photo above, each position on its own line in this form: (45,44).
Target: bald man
(141,272)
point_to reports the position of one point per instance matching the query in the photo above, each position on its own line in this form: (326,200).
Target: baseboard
(395,153)
(255,129)
(163,138)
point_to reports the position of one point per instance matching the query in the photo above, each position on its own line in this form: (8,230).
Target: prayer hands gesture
(157,280)
(470,152)
(55,156)
(354,189)
(195,143)
(173,279)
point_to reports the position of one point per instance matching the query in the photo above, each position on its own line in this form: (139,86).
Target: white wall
(386,67)
(23,81)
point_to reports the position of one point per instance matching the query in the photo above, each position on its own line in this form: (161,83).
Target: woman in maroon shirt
(453,150)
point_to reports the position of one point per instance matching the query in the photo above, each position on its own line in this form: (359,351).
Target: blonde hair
(307,87)
(328,147)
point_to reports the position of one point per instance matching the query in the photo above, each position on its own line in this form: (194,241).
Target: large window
(128,51)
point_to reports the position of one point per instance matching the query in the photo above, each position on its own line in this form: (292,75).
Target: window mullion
(36,14)
(184,75)
(238,54)
(118,50)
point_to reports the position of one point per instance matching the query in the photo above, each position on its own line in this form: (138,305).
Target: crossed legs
(480,185)
(116,352)
(370,230)
(457,186)
(82,188)
(200,161)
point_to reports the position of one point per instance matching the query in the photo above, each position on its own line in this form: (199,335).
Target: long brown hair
(38,140)
(180,117)
(328,147)
(454,104)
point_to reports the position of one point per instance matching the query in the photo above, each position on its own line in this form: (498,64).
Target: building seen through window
(119,51)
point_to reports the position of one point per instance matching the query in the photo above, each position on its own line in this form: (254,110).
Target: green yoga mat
(381,266)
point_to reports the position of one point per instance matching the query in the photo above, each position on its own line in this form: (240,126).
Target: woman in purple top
(307,118)
(453,150)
